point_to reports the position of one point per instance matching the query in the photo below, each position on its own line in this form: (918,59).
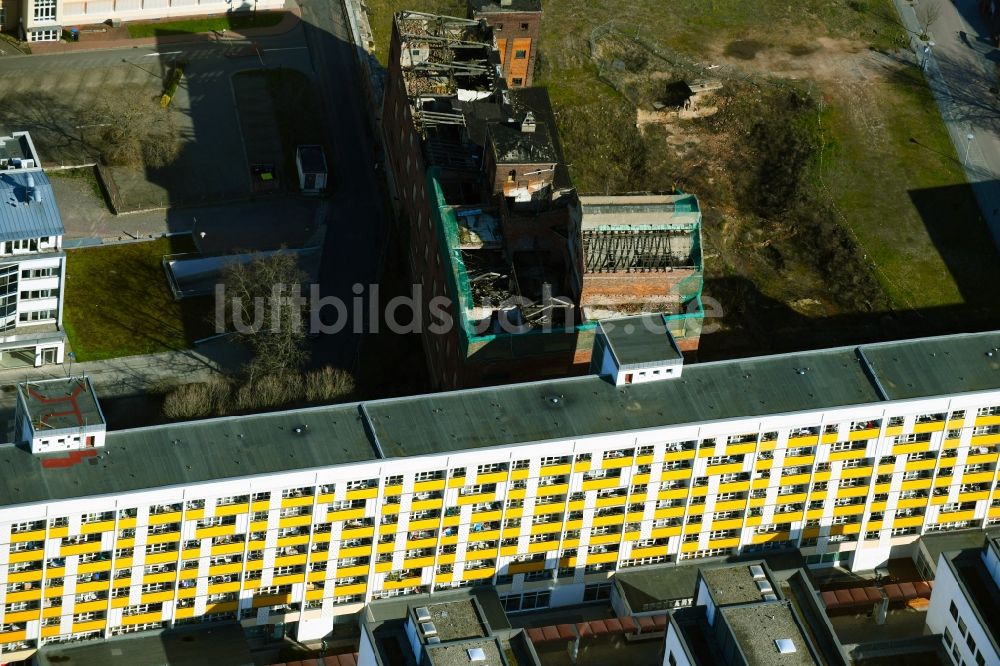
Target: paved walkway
(117,38)
(961,70)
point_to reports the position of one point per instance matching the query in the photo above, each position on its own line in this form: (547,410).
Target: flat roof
(193,452)
(28,206)
(17,146)
(756,627)
(220,645)
(312,158)
(457,620)
(60,404)
(943,542)
(198,451)
(641,340)
(647,589)
(653,210)
(734,584)
(458,654)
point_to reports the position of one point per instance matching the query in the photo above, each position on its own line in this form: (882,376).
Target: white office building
(32,263)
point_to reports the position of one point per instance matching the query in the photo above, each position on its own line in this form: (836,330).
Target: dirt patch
(744,49)
(799,50)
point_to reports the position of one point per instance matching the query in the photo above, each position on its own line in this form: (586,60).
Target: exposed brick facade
(517,33)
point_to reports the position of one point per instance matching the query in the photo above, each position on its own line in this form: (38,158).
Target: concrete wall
(947,591)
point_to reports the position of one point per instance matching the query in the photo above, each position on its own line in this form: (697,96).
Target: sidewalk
(118,38)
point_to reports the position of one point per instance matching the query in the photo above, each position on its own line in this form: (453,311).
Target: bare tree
(133,129)
(927,14)
(266,310)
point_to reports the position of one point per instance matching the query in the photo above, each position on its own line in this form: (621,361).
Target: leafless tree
(928,12)
(268,313)
(133,130)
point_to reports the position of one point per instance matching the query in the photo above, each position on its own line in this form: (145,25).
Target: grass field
(118,302)
(880,166)
(235,21)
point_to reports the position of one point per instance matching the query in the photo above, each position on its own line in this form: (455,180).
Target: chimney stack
(528,124)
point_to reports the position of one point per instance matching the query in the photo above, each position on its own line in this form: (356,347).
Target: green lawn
(234,21)
(85,174)
(118,302)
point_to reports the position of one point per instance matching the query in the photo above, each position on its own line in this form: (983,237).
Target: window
(961,626)
(517,81)
(498,27)
(38,293)
(520,54)
(38,272)
(45,10)
(37,315)
(524,26)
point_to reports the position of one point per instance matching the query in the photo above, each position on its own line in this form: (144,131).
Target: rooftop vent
(785,645)
(528,124)
(428,628)
(506,3)
(770,597)
(764,587)
(757,572)
(476,655)
(423,614)
(433,640)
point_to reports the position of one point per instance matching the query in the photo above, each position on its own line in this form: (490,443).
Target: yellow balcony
(908,521)
(506,551)
(295,521)
(875,525)
(404,582)
(727,524)
(669,512)
(978,477)
(671,456)
(456,482)
(289,502)
(730,505)
(95,528)
(297,540)
(651,551)
(724,543)
(821,476)
(741,449)
(769,537)
(165,577)
(689,547)
(24,595)
(79,549)
(362,494)
(673,493)
(675,474)
(312,595)
(161,558)
(426,505)
(916,484)
(912,503)
(209,532)
(955,516)
(97,625)
(355,551)
(930,426)
(858,435)
(616,463)
(388,491)
(351,533)
(734,487)
(768,445)
(851,510)
(478,574)
(805,440)
(234,548)
(223,569)
(422,543)
(271,600)
(974,496)
(913,447)
(601,521)
(601,484)
(795,461)
(166,537)
(794,479)
(492,477)
(557,489)
(228,510)
(847,455)
(855,472)
(972,459)
(149,598)
(425,524)
(599,558)
(555,470)
(34,535)
(950,444)
(24,616)
(881,488)
(610,501)
(519,474)
(290,560)
(731,468)
(99,565)
(343,572)
(141,618)
(25,576)
(357,588)
(428,486)
(477,498)
(857,491)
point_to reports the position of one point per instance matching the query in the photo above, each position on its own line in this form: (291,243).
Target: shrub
(328,384)
(199,400)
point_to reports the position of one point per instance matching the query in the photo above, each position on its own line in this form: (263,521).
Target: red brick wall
(510,37)
(632,287)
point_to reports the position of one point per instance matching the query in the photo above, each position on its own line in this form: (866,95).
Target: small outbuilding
(310,162)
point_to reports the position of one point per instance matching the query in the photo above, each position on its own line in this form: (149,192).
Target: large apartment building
(496,230)
(542,489)
(32,263)
(45,20)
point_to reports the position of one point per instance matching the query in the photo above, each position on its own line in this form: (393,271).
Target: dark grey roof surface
(57,404)
(757,626)
(498,416)
(733,584)
(655,585)
(512,146)
(943,542)
(515,6)
(193,452)
(20,217)
(935,366)
(222,645)
(15,148)
(640,340)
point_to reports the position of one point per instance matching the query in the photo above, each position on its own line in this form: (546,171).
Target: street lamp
(968,147)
